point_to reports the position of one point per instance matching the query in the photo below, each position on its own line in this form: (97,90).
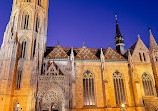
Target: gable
(140,49)
(111,54)
(57,53)
(52,69)
(85,54)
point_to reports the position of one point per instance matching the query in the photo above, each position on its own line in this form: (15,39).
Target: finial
(108,44)
(138,36)
(116,17)
(58,42)
(83,43)
(149,28)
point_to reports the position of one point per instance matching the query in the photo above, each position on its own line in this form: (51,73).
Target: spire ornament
(116,17)
(83,43)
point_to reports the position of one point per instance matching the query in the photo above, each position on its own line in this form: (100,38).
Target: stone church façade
(34,77)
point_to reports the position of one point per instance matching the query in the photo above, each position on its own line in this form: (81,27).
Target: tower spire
(119,41)
(153,44)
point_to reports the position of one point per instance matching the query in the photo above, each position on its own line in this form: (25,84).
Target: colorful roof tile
(85,54)
(57,53)
(113,55)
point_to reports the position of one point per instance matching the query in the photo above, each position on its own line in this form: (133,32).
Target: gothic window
(34,48)
(28,0)
(88,88)
(23,49)
(144,57)
(119,88)
(39,2)
(43,68)
(26,21)
(156,58)
(37,24)
(140,56)
(19,75)
(148,85)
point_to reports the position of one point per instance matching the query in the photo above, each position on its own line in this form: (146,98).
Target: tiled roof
(85,54)
(113,55)
(57,53)
(80,53)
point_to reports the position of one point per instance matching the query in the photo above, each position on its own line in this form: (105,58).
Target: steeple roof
(118,33)
(153,44)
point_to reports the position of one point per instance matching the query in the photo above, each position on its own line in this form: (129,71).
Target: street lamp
(18,105)
(123,107)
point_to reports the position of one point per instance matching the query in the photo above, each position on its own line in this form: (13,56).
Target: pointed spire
(153,44)
(118,33)
(102,58)
(119,41)
(72,55)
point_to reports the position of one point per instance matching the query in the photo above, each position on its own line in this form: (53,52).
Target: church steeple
(119,41)
(153,44)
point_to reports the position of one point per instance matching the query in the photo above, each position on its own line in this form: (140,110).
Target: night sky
(93,21)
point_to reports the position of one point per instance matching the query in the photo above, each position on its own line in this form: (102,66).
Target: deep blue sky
(73,21)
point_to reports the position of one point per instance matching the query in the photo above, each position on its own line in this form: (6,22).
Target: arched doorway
(51,100)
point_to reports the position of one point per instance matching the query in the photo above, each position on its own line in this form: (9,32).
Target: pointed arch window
(119,88)
(144,57)
(148,85)
(39,2)
(23,49)
(28,0)
(34,48)
(140,56)
(88,88)
(43,68)
(37,24)
(156,58)
(19,75)
(26,21)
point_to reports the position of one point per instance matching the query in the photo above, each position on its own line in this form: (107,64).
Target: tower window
(144,57)
(19,75)
(23,49)
(88,88)
(37,24)
(26,22)
(119,88)
(140,56)
(39,2)
(34,48)
(147,85)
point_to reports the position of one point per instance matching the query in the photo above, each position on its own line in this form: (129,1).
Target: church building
(34,77)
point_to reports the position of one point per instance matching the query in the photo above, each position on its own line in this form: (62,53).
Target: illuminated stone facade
(41,78)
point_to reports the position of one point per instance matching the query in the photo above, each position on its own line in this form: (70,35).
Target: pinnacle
(153,44)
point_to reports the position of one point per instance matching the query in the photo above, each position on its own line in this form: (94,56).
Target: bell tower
(22,53)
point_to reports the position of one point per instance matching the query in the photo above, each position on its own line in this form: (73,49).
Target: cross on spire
(83,43)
